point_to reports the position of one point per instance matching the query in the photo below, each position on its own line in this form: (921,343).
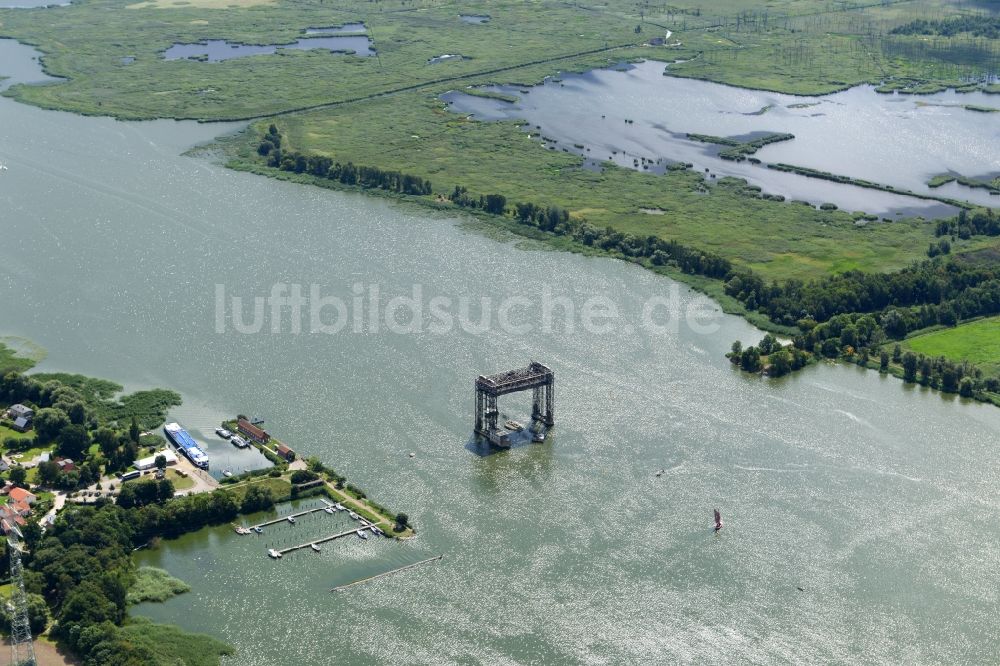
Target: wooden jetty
(283,519)
(307,544)
(386,573)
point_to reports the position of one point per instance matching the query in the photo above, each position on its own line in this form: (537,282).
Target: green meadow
(977,342)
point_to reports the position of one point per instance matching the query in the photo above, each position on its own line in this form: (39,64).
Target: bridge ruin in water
(536,377)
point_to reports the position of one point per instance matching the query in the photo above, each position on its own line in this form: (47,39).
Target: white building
(150,462)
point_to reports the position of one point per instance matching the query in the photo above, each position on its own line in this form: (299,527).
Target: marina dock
(283,519)
(307,544)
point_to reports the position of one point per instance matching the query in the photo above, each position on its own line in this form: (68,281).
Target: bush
(303,476)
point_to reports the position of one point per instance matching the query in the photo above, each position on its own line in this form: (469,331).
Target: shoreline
(711,287)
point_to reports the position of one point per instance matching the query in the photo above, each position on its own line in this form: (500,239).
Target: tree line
(933,291)
(551,219)
(966,225)
(347,174)
(978,25)
(557,221)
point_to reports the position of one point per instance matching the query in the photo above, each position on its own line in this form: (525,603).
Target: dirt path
(46,654)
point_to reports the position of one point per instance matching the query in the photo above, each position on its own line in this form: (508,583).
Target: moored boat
(314,547)
(273,554)
(186,445)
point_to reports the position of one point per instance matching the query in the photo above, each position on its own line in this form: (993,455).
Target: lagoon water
(217,50)
(898,140)
(860,515)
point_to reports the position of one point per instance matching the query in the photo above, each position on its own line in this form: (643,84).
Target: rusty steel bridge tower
(537,377)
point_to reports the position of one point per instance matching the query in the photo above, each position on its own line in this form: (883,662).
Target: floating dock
(308,544)
(284,519)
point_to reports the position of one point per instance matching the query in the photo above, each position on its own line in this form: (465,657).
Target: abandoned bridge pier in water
(537,377)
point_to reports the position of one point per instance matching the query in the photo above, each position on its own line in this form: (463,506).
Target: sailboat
(718,520)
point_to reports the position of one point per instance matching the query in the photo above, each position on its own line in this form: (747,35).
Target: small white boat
(362,534)
(330,510)
(339,506)
(538,437)
(227,473)
(659,472)
(239,442)
(291,519)
(377,530)
(353,515)
(273,554)
(223,433)
(514,426)
(258,529)
(314,547)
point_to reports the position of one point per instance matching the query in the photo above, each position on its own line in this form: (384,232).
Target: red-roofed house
(22,495)
(21,508)
(253,432)
(286,453)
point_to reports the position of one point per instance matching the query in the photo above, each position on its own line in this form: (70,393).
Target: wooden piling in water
(386,573)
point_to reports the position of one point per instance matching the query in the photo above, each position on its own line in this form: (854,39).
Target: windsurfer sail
(718,520)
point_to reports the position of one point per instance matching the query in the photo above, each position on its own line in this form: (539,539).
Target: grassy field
(86,43)
(977,342)
(281,488)
(180,482)
(805,46)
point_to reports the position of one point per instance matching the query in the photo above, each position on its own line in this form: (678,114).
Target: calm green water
(878,501)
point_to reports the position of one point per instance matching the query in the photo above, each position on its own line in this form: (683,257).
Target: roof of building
(21,507)
(22,409)
(150,461)
(21,495)
(283,449)
(251,429)
(20,422)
